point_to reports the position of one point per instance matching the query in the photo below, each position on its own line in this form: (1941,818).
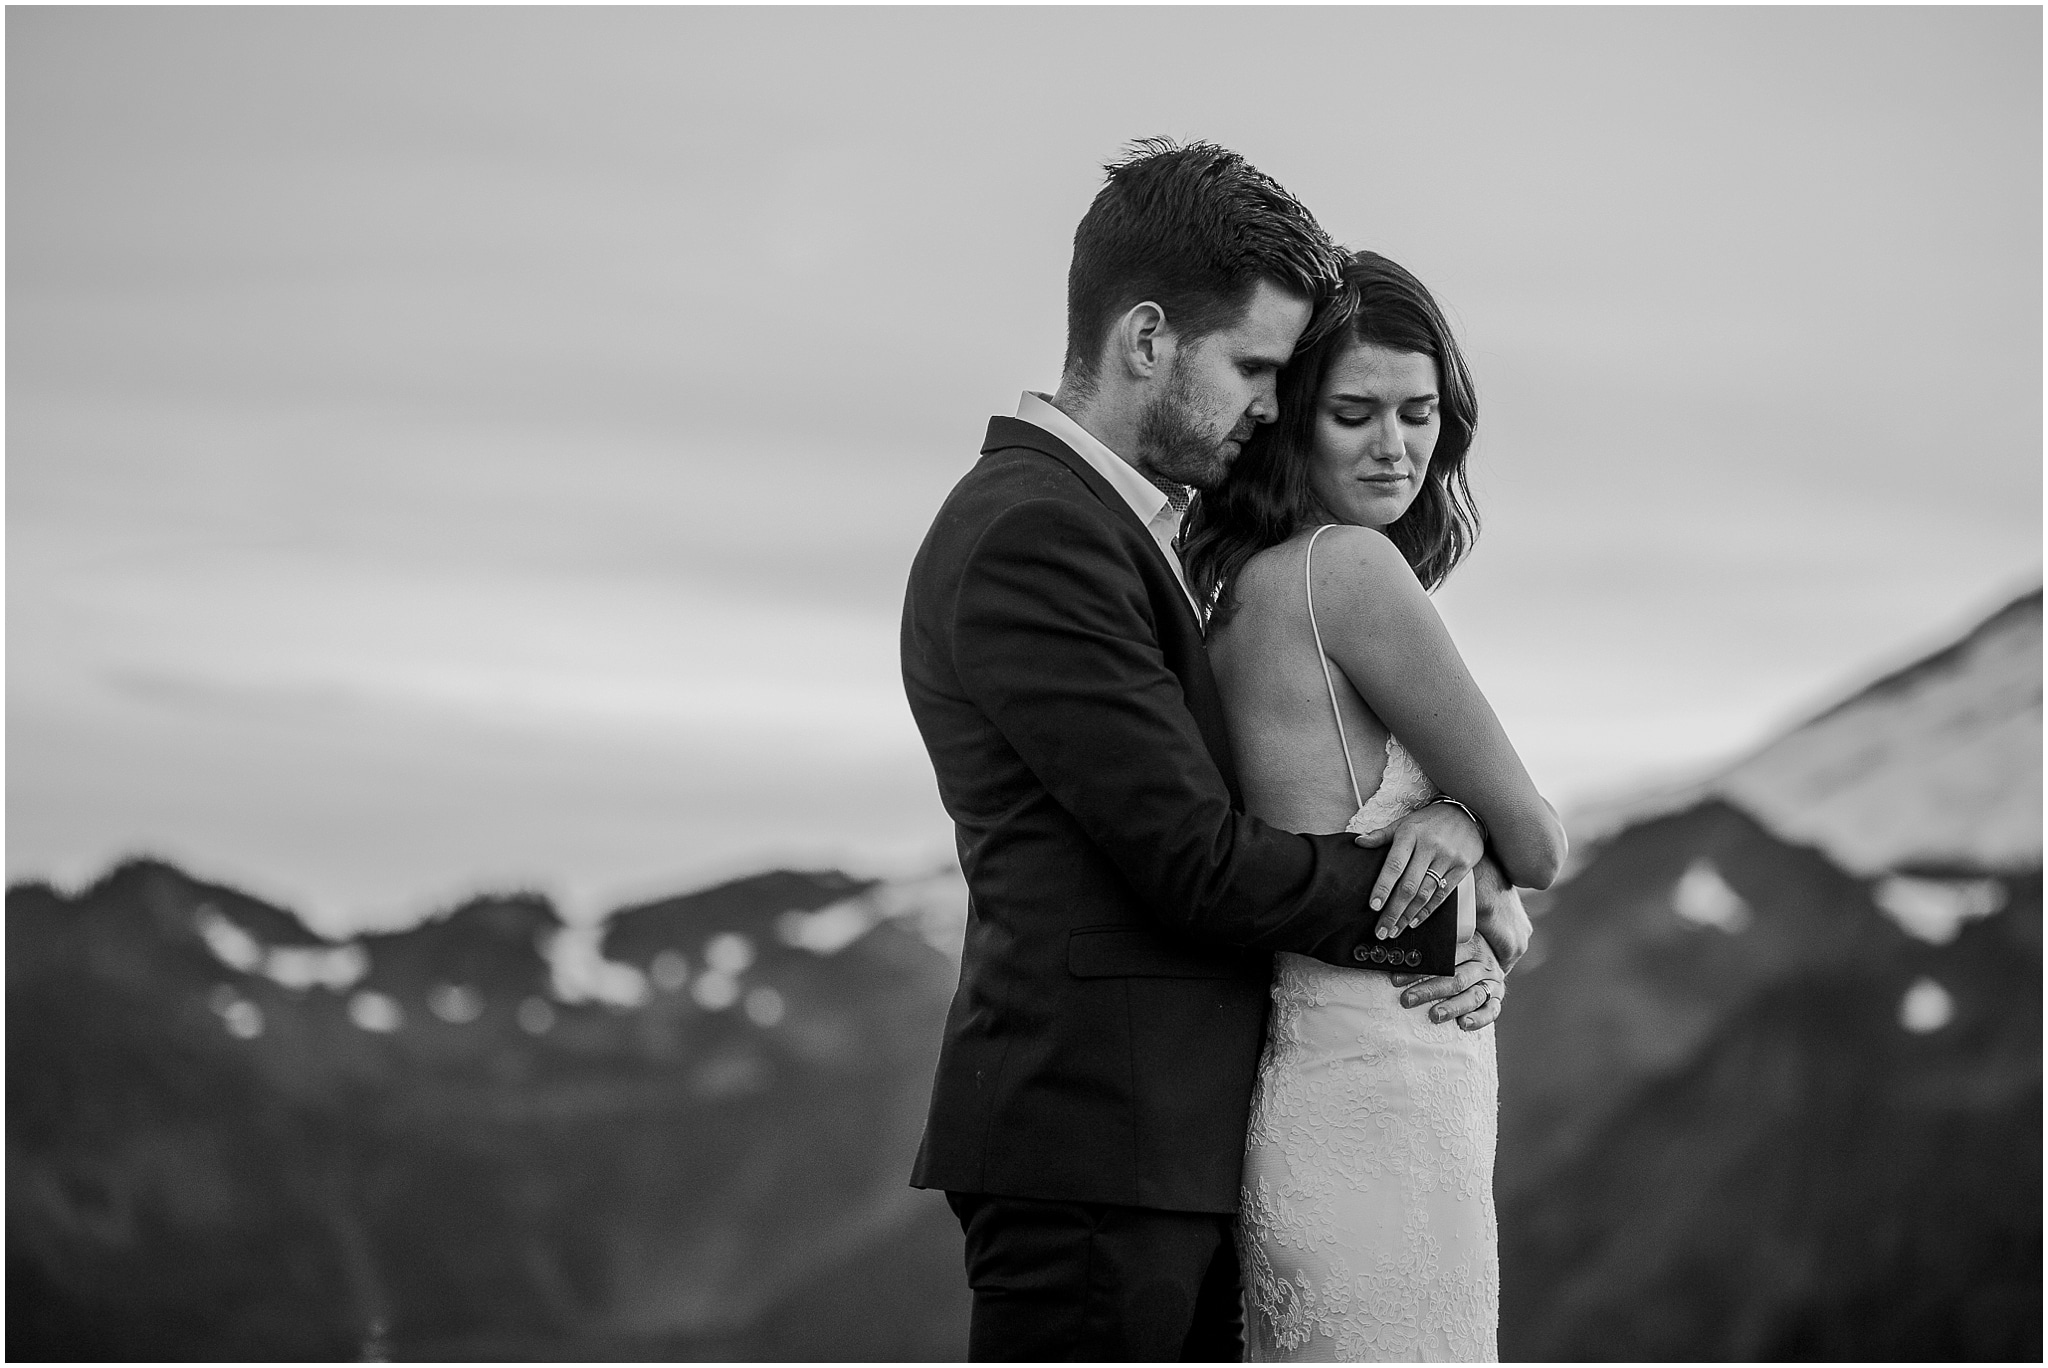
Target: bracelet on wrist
(1462,808)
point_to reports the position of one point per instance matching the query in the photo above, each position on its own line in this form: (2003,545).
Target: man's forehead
(1272,315)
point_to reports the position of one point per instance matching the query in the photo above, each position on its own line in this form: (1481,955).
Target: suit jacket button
(1359,952)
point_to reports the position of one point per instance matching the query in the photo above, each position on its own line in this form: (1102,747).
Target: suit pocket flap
(1117,952)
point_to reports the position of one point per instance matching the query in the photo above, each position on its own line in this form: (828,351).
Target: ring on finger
(1436,880)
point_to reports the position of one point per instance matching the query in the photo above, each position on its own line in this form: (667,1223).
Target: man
(1088,1116)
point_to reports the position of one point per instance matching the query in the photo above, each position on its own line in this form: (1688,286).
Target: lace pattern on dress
(1366,1222)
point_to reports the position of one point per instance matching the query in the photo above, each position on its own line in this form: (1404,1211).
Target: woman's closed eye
(1412,417)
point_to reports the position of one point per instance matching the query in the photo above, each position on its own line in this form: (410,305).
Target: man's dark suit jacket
(1112,1004)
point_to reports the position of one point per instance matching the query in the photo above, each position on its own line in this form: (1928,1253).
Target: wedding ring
(1434,878)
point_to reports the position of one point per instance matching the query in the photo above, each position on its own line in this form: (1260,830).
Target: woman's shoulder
(1346,554)
(1269,571)
(1345,557)
(1342,551)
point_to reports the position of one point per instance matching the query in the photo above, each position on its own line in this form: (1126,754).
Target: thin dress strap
(1308,582)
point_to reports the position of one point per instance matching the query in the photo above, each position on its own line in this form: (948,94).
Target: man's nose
(1265,405)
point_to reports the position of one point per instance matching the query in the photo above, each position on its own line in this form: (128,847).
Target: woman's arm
(1381,630)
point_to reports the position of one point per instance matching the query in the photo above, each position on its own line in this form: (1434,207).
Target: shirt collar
(1157,512)
(1144,497)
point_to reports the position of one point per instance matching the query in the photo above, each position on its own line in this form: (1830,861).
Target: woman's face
(1377,421)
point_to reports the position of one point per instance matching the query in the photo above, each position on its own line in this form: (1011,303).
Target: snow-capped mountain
(1771,1088)
(1936,765)
(683,1133)
(1771,1073)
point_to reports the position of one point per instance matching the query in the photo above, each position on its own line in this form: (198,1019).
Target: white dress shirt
(1158,513)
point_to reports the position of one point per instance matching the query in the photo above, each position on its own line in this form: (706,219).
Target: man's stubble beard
(1172,442)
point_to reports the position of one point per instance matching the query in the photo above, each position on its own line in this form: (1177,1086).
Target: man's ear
(1141,342)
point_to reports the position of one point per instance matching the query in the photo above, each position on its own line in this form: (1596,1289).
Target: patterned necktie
(1177,497)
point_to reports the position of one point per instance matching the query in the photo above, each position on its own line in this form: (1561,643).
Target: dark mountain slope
(1766,1099)
(1815,1183)
(1622,989)
(441,1158)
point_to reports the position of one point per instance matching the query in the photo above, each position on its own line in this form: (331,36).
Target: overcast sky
(476,447)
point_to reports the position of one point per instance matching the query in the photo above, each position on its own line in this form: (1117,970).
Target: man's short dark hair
(1193,228)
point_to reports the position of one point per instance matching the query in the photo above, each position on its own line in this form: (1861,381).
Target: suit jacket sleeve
(1054,640)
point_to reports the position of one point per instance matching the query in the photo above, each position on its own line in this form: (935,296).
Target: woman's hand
(1428,852)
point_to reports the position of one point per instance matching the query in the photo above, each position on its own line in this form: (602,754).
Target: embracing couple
(1208,748)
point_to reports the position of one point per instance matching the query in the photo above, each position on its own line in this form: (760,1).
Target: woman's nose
(1383,439)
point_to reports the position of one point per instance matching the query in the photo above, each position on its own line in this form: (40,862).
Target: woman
(1366,1229)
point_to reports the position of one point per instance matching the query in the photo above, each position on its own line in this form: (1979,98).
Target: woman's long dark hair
(1266,499)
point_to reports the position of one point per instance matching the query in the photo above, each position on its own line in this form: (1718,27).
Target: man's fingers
(1503,923)
(1471,1000)
(1439,986)
(1480,953)
(1480,990)
(1471,996)
(1427,990)
(1485,1016)
(1432,988)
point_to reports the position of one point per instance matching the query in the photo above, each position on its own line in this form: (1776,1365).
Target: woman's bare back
(1282,738)
(1366,1223)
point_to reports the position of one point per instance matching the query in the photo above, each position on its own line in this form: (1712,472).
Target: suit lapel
(1187,658)
(1015,432)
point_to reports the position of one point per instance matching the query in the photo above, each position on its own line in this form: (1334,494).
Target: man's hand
(1472,993)
(1503,924)
(1428,852)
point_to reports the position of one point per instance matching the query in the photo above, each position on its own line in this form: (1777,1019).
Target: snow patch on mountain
(1936,766)
(935,904)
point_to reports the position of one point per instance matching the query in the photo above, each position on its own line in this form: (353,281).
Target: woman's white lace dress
(1366,1227)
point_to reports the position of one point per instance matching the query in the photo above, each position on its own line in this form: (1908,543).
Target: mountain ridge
(1823,780)
(1762,1096)
(457,1173)
(1771,1077)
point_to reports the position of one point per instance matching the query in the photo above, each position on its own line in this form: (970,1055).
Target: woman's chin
(1379,514)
